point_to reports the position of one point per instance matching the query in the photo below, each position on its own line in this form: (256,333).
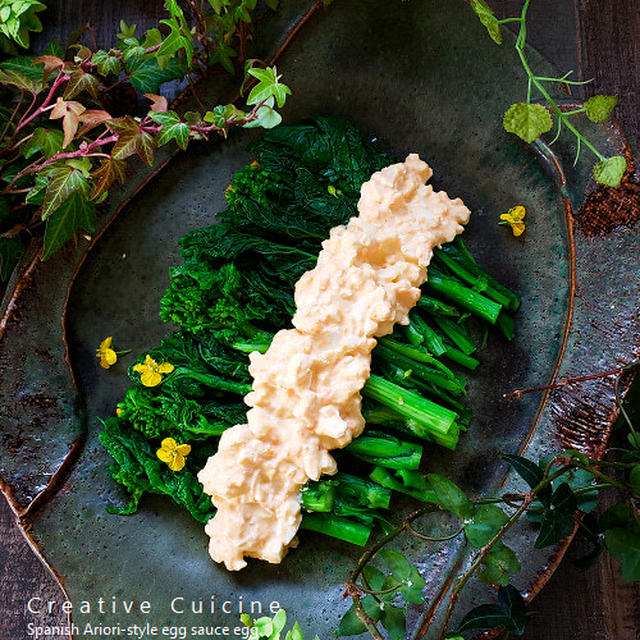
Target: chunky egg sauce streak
(306,392)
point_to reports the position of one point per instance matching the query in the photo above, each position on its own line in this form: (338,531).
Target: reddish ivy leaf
(159,104)
(131,140)
(92,118)
(51,63)
(106,174)
(70,113)
(80,81)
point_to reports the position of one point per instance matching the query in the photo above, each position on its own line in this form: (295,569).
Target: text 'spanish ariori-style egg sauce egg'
(306,390)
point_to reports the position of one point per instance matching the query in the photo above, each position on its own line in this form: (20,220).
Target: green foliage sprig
(530,120)
(73,119)
(17,19)
(562,493)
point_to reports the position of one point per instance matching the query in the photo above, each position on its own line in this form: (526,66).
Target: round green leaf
(610,171)
(527,121)
(599,108)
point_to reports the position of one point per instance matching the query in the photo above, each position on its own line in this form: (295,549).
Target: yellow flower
(229,190)
(515,218)
(255,163)
(119,411)
(152,372)
(106,354)
(173,453)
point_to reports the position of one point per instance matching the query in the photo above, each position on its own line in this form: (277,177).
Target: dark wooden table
(599,39)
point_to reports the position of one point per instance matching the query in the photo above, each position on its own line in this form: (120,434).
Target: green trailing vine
(529,120)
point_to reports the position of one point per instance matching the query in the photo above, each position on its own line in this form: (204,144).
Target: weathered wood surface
(599,39)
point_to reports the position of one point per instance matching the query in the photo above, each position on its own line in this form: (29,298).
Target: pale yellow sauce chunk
(306,391)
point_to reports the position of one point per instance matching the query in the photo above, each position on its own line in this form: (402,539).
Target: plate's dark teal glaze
(415,84)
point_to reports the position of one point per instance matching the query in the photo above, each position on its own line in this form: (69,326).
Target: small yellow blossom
(229,190)
(255,163)
(152,371)
(173,453)
(119,411)
(106,354)
(515,219)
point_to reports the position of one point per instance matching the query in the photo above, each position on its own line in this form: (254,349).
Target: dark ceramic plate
(405,76)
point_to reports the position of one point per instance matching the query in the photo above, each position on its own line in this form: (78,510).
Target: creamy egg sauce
(306,392)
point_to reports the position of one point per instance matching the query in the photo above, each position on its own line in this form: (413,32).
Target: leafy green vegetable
(234,290)
(138,469)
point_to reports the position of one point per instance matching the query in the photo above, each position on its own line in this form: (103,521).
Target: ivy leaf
(10,251)
(351,625)
(222,54)
(557,518)
(75,213)
(146,76)
(92,118)
(21,72)
(83,165)
(106,174)
(126,31)
(18,18)
(50,62)
(172,128)
(179,36)
(107,63)
(64,181)
(599,108)
(131,140)
(624,546)
(394,620)
(610,171)
(531,473)
(268,85)
(527,121)
(402,571)
(45,141)
(80,81)
(267,117)
(36,195)
(54,48)
(486,523)
(498,564)
(488,19)
(159,104)
(451,497)
(70,112)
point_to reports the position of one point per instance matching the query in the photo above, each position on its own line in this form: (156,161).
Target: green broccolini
(234,290)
